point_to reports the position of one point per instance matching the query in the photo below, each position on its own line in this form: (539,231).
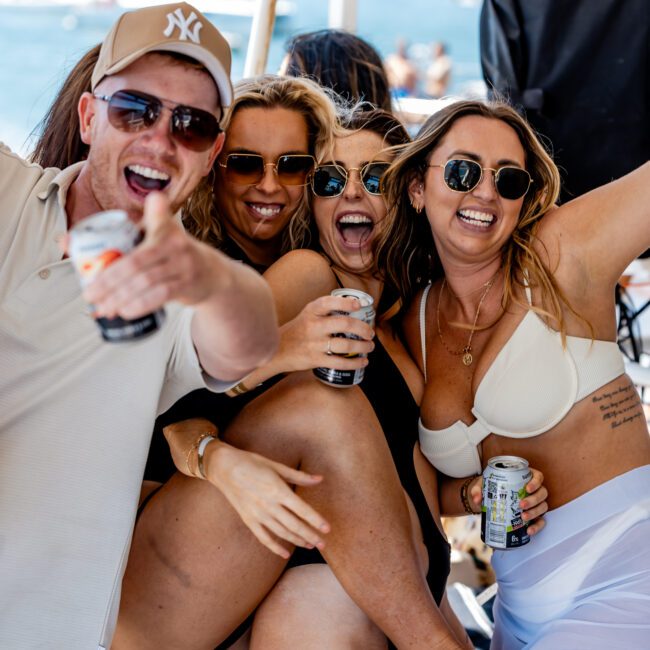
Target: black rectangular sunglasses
(132,110)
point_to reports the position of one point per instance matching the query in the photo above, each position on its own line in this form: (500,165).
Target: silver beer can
(366,313)
(504,485)
(95,243)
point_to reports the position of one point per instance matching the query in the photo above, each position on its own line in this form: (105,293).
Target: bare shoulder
(300,260)
(296,279)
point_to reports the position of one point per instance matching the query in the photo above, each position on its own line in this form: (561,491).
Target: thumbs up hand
(168,265)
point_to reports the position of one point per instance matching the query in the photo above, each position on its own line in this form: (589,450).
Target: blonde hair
(315,104)
(406,250)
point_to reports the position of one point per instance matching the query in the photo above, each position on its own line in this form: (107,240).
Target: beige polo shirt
(76,415)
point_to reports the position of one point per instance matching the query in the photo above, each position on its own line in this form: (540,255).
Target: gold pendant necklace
(467,350)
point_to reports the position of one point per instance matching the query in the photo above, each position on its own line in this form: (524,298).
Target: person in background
(401,71)
(438,73)
(516,337)
(77,412)
(342,61)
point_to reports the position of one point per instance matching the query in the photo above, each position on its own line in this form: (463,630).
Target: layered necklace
(466,352)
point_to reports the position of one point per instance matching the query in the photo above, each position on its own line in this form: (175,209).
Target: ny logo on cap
(176,19)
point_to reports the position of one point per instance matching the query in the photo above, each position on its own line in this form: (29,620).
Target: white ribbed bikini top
(529,387)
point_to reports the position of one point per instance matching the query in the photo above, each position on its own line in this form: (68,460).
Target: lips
(142,179)
(265,211)
(476,218)
(355,229)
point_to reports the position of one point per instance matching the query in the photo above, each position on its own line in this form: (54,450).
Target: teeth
(355,218)
(149,172)
(266,211)
(476,218)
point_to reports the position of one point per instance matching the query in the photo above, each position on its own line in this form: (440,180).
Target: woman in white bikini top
(519,343)
(516,330)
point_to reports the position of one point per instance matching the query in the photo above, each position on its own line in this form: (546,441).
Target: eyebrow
(477,158)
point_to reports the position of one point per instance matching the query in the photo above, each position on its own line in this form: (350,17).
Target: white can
(504,485)
(95,243)
(366,313)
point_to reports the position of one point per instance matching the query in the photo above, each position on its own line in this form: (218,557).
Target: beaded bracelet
(463,495)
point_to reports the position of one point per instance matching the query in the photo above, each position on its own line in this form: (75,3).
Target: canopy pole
(260,38)
(343,15)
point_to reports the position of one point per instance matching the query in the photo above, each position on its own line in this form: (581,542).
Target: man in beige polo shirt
(76,412)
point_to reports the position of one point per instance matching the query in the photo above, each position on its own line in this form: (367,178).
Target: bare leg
(195,571)
(308,609)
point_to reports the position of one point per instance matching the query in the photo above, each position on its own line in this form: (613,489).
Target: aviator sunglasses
(329,181)
(249,168)
(131,111)
(464,175)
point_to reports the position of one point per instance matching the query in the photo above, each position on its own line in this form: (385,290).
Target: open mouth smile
(355,229)
(264,211)
(476,218)
(143,180)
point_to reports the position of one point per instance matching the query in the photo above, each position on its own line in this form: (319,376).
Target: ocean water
(38,46)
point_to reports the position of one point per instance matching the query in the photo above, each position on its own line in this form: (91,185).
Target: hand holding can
(366,313)
(95,243)
(504,485)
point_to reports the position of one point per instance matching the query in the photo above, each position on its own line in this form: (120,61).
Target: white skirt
(584,581)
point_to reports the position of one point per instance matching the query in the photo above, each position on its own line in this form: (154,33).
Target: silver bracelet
(202,447)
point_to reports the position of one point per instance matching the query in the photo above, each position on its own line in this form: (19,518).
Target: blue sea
(38,46)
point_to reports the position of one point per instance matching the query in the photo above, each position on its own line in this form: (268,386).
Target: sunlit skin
(350,247)
(491,143)
(105,182)
(471,256)
(255,216)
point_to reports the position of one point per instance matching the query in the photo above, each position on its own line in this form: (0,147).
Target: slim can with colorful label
(95,243)
(504,485)
(366,313)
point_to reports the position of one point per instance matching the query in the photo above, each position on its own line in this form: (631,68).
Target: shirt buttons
(44,274)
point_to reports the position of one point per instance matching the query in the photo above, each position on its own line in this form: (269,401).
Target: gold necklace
(467,350)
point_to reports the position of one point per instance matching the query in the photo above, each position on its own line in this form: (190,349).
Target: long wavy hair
(406,252)
(59,144)
(318,106)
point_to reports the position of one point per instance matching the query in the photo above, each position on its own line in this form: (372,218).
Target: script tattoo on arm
(619,406)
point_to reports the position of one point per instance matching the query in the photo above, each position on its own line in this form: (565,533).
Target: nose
(159,134)
(486,189)
(353,188)
(269,182)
